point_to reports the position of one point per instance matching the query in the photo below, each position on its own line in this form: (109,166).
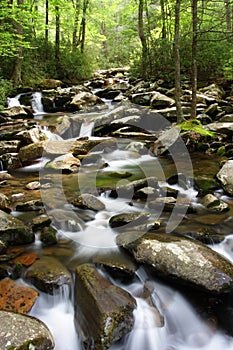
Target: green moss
(196,126)
(221,151)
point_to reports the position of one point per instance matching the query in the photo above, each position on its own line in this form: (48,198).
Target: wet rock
(83,100)
(159,100)
(213,203)
(85,145)
(10,161)
(128,220)
(30,152)
(9,130)
(221,128)
(214,111)
(9,146)
(5,204)
(181,259)
(48,275)
(40,222)
(23,332)
(32,135)
(143,98)
(213,90)
(34,185)
(205,183)
(166,140)
(33,205)
(88,201)
(26,259)
(16,298)
(225,176)
(118,264)
(2,247)
(14,231)
(65,163)
(16,112)
(48,236)
(146,193)
(103,311)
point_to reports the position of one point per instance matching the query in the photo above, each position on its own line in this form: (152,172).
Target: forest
(68,40)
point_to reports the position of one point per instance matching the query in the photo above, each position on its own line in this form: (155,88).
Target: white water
(36,103)
(13,101)
(87,128)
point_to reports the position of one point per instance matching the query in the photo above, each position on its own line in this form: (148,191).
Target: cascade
(36,102)
(13,101)
(86,128)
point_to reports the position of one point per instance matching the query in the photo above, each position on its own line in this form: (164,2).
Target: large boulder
(221,128)
(14,231)
(225,176)
(83,100)
(21,332)
(166,140)
(181,259)
(103,311)
(159,100)
(48,275)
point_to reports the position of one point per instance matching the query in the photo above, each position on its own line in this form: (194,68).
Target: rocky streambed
(106,204)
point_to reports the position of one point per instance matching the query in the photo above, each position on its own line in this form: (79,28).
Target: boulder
(10,161)
(103,311)
(221,128)
(48,275)
(9,130)
(83,100)
(142,98)
(5,203)
(16,112)
(159,100)
(32,135)
(51,83)
(65,163)
(213,203)
(32,205)
(181,259)
(16,298)
(225,176)
(127,220)
(9,146)
(166,140)
(20,332)
(214,91)
(88,201)
(14,231)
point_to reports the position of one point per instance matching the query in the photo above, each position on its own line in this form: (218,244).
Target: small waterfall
(36,102)
(13,101)
(86,128)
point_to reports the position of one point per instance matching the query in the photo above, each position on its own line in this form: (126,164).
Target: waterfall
(36,102)
(86,128)
(13,101)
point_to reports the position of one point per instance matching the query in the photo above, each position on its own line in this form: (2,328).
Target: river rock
(16,112)
(32,205)
(14,231)
(166,140)
(225,176)
(65,163)
(16,298)
(5,203)
(9,146)
(21,332)
(88,201)
(159,100)
(48,236)
(51,83)
(213,203)
(213,90)
(181,259)
(128,220)
(221,128)
(84,146)
(10,161)
(143,98)
(103,311)
(9,129)
(32,135)
(83,100)
(48,275)
(30,152)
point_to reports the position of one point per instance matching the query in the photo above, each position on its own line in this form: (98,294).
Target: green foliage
(5,89)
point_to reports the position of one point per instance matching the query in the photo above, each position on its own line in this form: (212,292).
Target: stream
(184,328)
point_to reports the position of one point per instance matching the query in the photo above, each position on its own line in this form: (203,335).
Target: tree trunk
(57,39)
(194,59)
(163,17)
(76,20)
(46,22)
(228,15)
(179,112)
(82,33)
(17,70)
(142,37)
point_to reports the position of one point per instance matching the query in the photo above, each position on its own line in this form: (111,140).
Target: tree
(194,59)
(142,37)
(177,62)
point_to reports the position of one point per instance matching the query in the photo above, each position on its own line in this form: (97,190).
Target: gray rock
(128,219)
(182,259)
(48,274)
(166,140)
(10,161)
(14,231)
(65,163)
(88,201)
(23,332)
(103,311)
(9,146)
(225,176)
(159,100)
(32,135)
(83,100)
(32,205)
(16,112)
(143,98)
(221,127)
(213,203)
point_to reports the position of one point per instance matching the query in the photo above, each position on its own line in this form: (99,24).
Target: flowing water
(183,328)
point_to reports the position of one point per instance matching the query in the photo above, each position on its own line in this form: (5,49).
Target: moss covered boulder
(48,275)
(103,311)
(181,259)
(14,231)
(21,332)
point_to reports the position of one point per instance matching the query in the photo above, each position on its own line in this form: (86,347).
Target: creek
(184,327)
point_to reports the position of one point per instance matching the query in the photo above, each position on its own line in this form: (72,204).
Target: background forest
(70,39)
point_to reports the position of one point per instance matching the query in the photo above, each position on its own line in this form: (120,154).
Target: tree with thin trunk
(82,32)
(179,112)
(57,38)
(142,37)
(194,59)
(18,28)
